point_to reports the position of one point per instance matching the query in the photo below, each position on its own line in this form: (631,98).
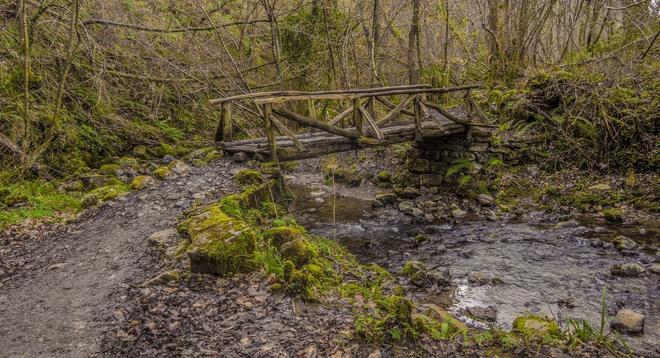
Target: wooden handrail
(306,93)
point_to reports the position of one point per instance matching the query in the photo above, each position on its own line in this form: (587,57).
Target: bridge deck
(318,143)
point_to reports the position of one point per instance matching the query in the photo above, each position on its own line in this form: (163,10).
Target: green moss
(129,162)
(300,251)
(390,321)
(221,244)
(280,235)
(383,179)
(249,177)
(162,172)
(537,328)
(411,268)
(613,215)
(34,200)
(103,194)
(109,168)
(141,181)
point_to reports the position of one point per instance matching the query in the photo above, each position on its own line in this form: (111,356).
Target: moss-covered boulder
(163,173)
(203,156)
(535,327)
(102,194)
(279,236)
(219,244)
(140,151)
(249,177)
(614,215)
(142,181)
(383,179)
(300,251)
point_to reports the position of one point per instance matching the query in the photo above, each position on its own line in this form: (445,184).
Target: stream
(535,264)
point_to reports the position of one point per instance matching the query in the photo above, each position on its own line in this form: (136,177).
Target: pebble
(628,321)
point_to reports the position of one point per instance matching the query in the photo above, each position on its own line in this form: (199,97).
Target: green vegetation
(34,200)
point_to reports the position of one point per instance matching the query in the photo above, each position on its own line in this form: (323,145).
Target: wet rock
(627,270)
(167,159)
(319,201)
(410,193)
(628,321)
(655,268)
(485,199)
(536,327)
(458,213)
(375,354)
(442,316)
(386,198)
(478,278)
(406,207)
(161,279)
(567,224)
(625,245)
(309,352)
(240,157)
(483,313)
(178,167)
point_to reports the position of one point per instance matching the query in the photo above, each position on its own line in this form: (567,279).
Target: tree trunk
(414,56)
(275,38)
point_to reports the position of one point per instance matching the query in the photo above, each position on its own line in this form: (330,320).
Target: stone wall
(430,159)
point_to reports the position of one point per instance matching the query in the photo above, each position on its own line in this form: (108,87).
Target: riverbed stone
(655,268)
(628,321)
(458,213)
(432,179)
(478,278)
(240,157)
(483,313)
(410,193)
(485,199)
(406,206)
(625,245)
(386,198)
(627,270)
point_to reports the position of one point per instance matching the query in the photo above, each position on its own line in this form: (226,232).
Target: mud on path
(59,288)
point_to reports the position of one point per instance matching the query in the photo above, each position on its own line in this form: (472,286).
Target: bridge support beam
(270,133)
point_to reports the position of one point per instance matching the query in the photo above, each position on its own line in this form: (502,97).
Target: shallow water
(539,267)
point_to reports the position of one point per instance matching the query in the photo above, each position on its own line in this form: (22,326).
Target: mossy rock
(279,236)
(102,194)
(140,151)
(129,162)
(202,157)
(162,150)
(383,179)
(412,268)
(109,168)
(142,181)
(535,327)
(614,215)
(219,244)
(163,173)
(300,251)
(249,177)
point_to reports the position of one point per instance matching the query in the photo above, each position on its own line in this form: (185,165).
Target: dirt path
(57,302)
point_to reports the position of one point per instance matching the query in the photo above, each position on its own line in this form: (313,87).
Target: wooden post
(357,116)
(224,131)
(270,133)
(311,112)
(371,107)
(418,118)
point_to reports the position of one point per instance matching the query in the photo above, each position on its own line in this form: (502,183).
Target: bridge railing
(360,110)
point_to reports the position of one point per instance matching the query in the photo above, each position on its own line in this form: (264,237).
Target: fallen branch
(174,30)
(9,145)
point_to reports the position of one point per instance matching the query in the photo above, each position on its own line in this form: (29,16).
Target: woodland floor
(59,289)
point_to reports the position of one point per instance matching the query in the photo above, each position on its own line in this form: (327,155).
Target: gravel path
(56,298)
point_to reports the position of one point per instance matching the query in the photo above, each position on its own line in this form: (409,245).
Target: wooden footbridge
(412,117)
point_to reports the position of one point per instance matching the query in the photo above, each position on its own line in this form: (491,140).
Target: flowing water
(534,264)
